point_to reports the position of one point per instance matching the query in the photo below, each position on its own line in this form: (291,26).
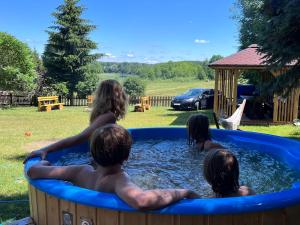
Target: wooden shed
(228,70)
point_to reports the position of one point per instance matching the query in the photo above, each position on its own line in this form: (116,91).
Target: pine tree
(68,50)
(40,70)
(279,39)
(275,26)
(250,19)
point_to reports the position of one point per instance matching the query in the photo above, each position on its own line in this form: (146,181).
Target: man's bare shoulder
(122,179)
(81,170)
(112,182)
(121,176)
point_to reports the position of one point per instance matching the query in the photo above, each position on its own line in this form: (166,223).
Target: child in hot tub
(110,105)
(110,147)
(221,170)
(199,133)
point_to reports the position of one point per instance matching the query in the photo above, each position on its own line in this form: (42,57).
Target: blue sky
(135,30)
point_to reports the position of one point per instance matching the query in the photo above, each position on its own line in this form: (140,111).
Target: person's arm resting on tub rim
(119,183)
(43,169)
(149,199)
(101,120)
(110,147)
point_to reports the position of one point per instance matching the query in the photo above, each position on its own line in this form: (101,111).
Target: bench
(143,105)
(90,99)
(48,103)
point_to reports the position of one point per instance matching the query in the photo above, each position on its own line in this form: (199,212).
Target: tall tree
(250,19)
(91,80)
(275,26)
(17,66)
(40,70)
(68,51)
(279,39)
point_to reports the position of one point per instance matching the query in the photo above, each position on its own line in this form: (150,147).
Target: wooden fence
(76,101)
(164,101)
(28,100)
(16,100)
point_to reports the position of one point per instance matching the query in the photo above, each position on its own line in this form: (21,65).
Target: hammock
(233,122)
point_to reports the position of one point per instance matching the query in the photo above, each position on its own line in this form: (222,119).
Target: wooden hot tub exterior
(49,210)
(54,202)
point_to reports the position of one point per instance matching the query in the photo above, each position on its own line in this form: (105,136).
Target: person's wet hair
(221,170)
(198,129)
(110,145)
(109,96)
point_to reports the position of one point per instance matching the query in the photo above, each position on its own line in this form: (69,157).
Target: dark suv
(196,98)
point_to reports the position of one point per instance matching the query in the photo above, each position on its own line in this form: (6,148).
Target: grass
(165,87)
(174,87)
(14,144)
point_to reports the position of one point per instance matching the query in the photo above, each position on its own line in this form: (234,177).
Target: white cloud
(130,55)
(201,41)
(151,61)
(109,55)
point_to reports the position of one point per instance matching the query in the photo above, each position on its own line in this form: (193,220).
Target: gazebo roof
(246,58)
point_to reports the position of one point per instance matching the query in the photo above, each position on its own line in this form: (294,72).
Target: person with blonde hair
(110,105)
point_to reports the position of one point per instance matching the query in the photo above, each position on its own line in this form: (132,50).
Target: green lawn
(176,87)
(166,87)
(14,144)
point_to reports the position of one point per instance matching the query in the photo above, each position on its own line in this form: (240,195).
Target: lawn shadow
(17,158)
(11,208)
(182,116)
(295,135)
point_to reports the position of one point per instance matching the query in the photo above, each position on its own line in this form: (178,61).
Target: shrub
(17,67)
(134,86)
(201,73)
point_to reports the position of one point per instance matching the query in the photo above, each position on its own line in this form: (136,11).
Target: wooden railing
(164,101)
(23,100)
(73,101)
(16,100)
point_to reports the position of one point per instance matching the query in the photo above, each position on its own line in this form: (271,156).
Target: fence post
(11,98)
(34,100)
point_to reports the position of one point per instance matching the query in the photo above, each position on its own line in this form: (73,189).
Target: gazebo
(228,70)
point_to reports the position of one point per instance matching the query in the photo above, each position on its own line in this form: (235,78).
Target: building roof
(249,57)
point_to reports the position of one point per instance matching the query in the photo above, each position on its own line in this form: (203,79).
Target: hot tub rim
(236,205)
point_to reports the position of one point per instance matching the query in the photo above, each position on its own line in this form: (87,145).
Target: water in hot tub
(175,164)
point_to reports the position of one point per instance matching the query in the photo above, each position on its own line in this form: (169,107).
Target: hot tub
(54,202)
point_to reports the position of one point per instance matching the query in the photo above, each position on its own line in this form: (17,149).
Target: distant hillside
(168,70)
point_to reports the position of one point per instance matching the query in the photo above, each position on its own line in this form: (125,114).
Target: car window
(193,92)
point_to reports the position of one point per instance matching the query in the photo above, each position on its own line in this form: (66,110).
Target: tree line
(275,26)
(68,64)
(168,70)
